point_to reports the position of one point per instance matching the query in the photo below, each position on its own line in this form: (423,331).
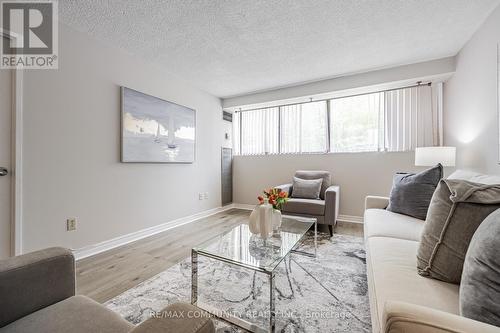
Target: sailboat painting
(155,130)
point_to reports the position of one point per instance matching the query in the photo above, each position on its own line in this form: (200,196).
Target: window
(355,123)
(393,120)
(304,128)
(259,131)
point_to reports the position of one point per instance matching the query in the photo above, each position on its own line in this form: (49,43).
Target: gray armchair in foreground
(325,209)
(37,294)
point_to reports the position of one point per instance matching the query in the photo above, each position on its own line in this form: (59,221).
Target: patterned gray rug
(323,294)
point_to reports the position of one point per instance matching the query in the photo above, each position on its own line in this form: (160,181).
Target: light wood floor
(108,274)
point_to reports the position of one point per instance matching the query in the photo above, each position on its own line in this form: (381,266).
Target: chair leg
(330,228)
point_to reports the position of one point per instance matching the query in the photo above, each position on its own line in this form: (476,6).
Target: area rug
(323,294)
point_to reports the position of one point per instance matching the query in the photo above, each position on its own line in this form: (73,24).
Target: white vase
(261,220)
(277,218)
(253,221)
(266,219)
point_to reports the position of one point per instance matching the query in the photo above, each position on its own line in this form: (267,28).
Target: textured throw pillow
(457,209)
(306,188)
(480,285)
(412,193)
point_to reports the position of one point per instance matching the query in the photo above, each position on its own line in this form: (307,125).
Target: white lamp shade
(429,156)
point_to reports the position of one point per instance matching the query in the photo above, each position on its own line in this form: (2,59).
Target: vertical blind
(356,122)
(411,119)
(303,128)
(259,133)
(394,120)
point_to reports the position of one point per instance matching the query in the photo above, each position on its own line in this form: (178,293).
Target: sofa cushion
(325,175)
(382,223)
(33,281)
(457,209)
(75,314)
(306,188)
(392,276)
(480,285)
(304,206)
(411,193)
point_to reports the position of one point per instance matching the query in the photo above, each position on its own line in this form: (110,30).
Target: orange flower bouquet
(275,196)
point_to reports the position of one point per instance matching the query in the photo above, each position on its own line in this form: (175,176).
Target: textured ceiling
(232,47)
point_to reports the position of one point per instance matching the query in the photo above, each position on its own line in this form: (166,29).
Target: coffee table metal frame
(270,272)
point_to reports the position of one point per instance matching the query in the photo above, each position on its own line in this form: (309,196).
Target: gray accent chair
(325,209)
(37,294)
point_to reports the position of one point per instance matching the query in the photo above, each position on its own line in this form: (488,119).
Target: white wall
(470,117)
(227,128)
(72,149)
(358,174)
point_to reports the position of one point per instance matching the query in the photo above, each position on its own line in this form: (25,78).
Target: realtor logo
(30,34)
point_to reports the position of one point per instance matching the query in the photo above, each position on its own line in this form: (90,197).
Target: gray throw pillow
(457,209)
(411,193)
(306,188)
(480,285)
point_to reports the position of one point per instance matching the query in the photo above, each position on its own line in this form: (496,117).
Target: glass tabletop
(239,246)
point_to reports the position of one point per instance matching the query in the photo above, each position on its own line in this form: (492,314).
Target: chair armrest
(285,188)
(332,201)
(34,281)
(400,317)
(177,318)
(376,202)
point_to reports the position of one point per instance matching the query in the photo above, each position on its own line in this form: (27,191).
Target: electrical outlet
(205,195)
(71,224)
(200,196)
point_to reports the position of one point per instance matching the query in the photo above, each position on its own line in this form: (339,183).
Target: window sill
(331,153)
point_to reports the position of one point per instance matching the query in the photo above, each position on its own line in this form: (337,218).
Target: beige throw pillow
(457,209)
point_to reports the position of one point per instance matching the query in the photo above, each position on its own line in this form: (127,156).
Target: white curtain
(259,131)
(236,133)
(355,123)
(291,123)
(412,118)
(304,128)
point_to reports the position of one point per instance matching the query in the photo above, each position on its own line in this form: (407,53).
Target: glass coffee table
(241,248)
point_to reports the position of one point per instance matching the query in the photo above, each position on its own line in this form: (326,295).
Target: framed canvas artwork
(155,130)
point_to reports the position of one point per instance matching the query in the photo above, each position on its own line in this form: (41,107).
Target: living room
(232,166)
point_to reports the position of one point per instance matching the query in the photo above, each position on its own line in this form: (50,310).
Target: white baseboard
(350,218)
(91,250)
(243,206)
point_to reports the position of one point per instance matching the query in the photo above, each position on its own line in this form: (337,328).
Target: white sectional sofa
(400,299)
